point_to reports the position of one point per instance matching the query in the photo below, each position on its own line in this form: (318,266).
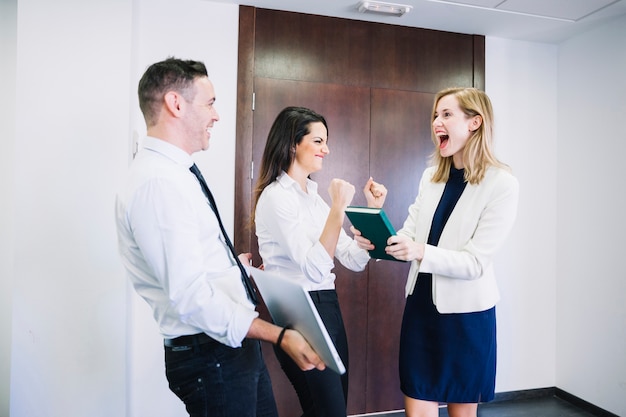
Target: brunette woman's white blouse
(289,223)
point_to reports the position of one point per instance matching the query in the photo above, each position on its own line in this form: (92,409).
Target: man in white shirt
(180,262)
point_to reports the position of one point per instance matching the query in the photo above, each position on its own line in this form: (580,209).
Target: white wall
(521,82)
(591,301)
(77,70)
(83,344)
(559,114)
(8,50)
(71,116)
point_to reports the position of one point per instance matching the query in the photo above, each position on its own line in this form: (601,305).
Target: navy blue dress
(449,358)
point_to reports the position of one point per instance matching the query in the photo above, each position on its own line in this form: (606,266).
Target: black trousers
(213,379)
(322,393)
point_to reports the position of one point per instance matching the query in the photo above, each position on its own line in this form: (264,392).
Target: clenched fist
(341,192)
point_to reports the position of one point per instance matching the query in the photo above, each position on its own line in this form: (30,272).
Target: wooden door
(375,84)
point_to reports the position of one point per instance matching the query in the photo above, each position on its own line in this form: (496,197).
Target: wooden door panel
(295,46)
(421,60)
(400,145)
(339,51)
(346,110)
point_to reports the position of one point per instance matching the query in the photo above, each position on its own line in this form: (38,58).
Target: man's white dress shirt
(171,245)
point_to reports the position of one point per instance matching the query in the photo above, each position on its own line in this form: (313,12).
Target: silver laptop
(290,305)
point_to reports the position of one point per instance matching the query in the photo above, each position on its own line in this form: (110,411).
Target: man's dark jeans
(213,379)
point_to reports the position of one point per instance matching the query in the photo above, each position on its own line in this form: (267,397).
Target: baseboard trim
(525,394)
(528,394)
(582,404)
(554,392)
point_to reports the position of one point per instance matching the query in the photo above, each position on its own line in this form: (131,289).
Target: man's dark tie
(244,275)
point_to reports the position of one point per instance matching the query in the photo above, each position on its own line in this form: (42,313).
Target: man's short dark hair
(170,75)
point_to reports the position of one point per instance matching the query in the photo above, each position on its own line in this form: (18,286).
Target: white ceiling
(550,21)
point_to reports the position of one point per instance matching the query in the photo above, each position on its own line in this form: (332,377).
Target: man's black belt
(190,340)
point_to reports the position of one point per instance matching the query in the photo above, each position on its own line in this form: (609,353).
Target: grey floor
(536,407)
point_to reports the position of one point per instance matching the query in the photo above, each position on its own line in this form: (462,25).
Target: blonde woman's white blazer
(461,264)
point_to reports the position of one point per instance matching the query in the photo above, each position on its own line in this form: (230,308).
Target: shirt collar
(286,182)
(170,151)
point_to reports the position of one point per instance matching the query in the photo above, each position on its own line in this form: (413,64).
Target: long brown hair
(478,153)
(287,131)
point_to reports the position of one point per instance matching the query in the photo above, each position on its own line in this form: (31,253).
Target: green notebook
(374,225)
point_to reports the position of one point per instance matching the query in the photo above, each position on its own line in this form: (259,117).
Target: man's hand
(245,258)
(294,344)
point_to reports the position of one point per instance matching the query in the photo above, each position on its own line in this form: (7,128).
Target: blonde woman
(466,206)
